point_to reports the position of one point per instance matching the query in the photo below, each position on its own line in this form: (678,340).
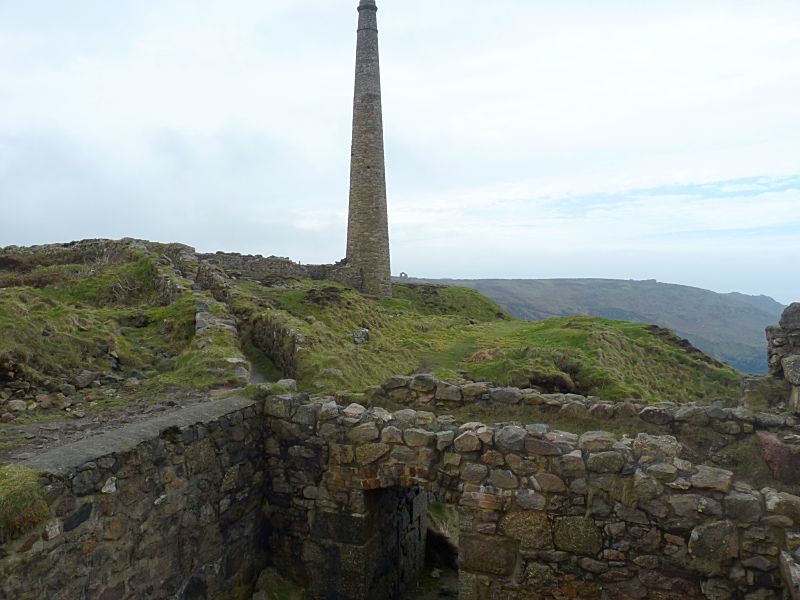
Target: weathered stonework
(194,505)
(783,343)
(165,509)
(367,225)
(424,391)
(544,514)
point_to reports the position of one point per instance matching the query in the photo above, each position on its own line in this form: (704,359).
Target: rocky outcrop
(784,351)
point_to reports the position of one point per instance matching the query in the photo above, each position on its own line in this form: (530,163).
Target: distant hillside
(727,326)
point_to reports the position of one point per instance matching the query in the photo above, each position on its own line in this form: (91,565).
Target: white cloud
(521,140)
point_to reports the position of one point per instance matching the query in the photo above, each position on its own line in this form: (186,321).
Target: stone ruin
(334,495)
(784,352)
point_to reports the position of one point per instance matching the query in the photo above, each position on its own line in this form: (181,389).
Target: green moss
(22,504)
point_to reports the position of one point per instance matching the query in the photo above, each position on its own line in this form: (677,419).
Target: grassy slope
(106,319)
(22,503)
(728,326)
(428,328)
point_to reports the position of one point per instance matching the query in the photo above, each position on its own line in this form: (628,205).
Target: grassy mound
(109,317)
(458,334)
(101,307)
(22,504)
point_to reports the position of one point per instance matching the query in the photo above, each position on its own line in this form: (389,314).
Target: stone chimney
(367,225)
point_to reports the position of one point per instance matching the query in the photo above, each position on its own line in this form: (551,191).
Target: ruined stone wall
(544,514)
(260,268)
(426,391)
(165,509)
(784,351)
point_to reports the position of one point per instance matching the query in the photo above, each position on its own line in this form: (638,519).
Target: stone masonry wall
(367,224)
(784,351)
(426,391)
(260,268)
(544,514)
(164,509)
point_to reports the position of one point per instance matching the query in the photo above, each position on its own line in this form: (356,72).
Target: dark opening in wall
(439,579)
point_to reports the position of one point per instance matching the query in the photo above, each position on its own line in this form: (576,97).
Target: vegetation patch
(457,334)
(106,318)
(22,504)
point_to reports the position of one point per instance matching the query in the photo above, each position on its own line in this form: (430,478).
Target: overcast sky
(528,138)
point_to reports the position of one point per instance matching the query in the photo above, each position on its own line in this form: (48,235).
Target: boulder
(791,369)
(503,479)
(743,507)
(17,406)
(85,378)
(510,439)
(657,415)
(474,473)
(790,573)
(711,478)
(423,382)
(596,441)
(713,545)
(605,462)
(694,415)
(656,448)
(418,437)
(448,392)
(366,432)
(395,382)
(487,554)
(578,535)
(360,336)
(369,453)
(467,442)
(782,459)
(506,395)
(790,320)
(532,529)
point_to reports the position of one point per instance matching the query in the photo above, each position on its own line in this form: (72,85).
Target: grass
(107,318)
(729,326)
(439,330)
(22,504)
(443,518)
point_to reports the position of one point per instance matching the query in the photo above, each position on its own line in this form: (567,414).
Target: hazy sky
(529,138)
